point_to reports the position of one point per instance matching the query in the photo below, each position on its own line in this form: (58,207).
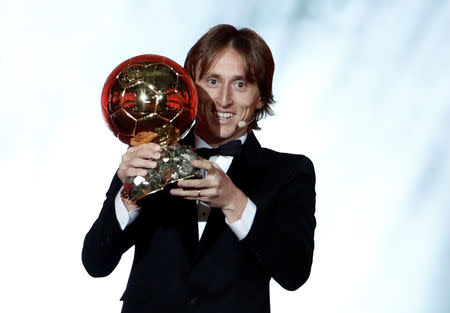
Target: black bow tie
(231,148)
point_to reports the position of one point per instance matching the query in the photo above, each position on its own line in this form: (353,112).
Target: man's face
(225,98)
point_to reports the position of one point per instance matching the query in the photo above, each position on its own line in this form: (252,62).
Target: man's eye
(240,84)
(212,81)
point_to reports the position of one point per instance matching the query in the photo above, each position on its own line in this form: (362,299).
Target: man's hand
(216,189)
(137,160)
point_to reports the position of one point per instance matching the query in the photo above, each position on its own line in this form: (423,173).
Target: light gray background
(362,88)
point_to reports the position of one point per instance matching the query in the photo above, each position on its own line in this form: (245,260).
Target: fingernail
(157,155)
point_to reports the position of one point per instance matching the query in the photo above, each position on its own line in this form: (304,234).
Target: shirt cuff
(242,226)
(124,217)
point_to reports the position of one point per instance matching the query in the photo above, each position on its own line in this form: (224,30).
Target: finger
(148,151)
(141,163)
(194,183)
(152,146)
(131,172)
(195,194)
(205,164)
(202,199)
(186,193)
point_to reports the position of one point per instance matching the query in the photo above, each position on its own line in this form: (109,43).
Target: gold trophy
(150,98)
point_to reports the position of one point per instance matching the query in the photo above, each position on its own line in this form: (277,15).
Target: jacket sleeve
(105,242)
(282,234)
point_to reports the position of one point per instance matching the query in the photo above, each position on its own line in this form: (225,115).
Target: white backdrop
(362,88)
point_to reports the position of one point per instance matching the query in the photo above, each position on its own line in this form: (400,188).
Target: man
(213,244)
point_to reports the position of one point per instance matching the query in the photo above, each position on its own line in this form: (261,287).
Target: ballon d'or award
(150,98)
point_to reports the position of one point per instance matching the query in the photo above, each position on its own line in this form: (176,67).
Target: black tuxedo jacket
(173,271)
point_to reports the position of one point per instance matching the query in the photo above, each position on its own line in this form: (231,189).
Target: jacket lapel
(245,169)
(240,173)
(189,230)
(215,226)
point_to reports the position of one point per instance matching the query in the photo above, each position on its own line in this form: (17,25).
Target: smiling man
(213,244)
(234,97)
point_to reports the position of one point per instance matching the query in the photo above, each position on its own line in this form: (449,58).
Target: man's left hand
(216,189)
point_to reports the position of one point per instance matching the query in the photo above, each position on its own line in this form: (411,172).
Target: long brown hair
(253,49)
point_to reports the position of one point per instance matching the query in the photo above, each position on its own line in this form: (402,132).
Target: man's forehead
(205,67)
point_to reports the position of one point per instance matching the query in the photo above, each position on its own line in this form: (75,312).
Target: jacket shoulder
(298,162)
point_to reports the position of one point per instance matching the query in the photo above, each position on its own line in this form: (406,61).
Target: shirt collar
(200,143)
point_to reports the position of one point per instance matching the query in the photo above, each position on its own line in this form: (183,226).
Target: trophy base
(174,165)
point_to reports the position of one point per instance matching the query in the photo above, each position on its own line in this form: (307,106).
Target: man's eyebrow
(214,75)
(211,75)
(239,77)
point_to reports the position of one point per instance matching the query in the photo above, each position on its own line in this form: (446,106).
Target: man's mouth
(224,115)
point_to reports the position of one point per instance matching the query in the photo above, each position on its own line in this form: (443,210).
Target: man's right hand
(137,160)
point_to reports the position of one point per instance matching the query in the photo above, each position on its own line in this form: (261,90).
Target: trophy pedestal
(174,165)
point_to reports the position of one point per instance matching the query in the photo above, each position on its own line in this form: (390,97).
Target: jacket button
(194,300)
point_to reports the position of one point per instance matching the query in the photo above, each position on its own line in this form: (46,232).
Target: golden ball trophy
(150,98)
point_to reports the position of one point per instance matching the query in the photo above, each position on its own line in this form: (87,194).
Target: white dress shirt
(240,227)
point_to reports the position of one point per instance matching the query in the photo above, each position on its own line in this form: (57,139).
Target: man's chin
(226,132)
(218,134)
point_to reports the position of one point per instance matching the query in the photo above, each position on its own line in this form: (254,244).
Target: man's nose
(224,97)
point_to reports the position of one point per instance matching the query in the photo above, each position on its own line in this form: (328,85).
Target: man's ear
(260,104)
